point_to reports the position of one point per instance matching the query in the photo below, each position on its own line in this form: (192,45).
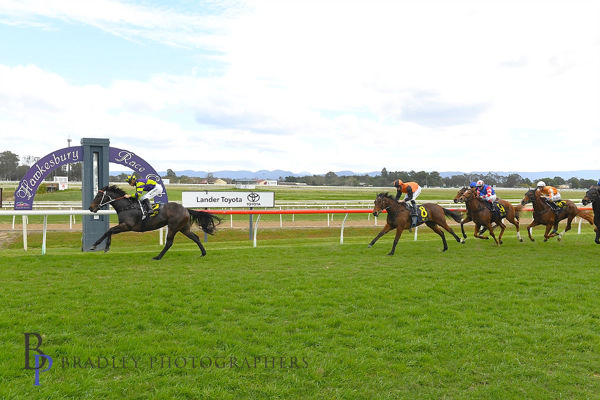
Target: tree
(513,180)
(9,162)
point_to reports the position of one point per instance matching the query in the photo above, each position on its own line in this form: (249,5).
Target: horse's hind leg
(187,232)
(168,243)
(434,227)
(516,223)
(451,231)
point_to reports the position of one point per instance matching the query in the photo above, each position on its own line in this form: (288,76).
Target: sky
(307,86)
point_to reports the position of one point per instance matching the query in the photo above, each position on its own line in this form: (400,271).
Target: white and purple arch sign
(25,192)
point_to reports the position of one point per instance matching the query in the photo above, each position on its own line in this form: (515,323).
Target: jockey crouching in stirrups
(412,190)
(148,185)
(487,193)
(550,195)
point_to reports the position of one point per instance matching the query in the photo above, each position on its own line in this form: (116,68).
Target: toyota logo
(253,197)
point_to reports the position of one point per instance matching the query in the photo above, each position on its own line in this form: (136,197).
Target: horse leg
(112,231)
(516,223)
(447,227)
(434,227)
(489,226)
(502,228)
(477,229)
(168,243)
(385,230)
(398,234)
(529,228)
(187,232)
(548,234)
(462,225)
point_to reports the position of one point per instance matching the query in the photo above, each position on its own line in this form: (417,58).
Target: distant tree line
(433,179)
(13,168)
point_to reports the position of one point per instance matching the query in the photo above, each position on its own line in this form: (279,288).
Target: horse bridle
(383,208)
(104,194)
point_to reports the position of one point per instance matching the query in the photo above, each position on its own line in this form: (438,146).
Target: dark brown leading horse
(173,215)
(544,215)
(398,216)
(481,214)
(593,196)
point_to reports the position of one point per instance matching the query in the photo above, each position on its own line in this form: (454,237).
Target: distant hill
(581,174)
(278,173)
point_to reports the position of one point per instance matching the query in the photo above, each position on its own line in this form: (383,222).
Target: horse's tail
(587,215)
(518,208)
(454,215)
(207,221)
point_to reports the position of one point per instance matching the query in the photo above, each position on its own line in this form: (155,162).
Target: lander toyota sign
(227,199)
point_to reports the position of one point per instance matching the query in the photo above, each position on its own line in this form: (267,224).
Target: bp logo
(253,197)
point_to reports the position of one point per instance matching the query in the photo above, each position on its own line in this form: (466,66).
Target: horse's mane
(115,189)
(387,195)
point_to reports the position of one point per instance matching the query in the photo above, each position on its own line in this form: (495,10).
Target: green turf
(302,316)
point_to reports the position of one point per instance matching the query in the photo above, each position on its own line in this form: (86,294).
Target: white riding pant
(416,193)
(152,193)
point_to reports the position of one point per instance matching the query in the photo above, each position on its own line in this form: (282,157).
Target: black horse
(593,196)
(173,215)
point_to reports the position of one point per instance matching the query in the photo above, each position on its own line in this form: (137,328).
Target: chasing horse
(593,196)
(398,217)
(482,215)
(543,214)
(173,215)
(467,217)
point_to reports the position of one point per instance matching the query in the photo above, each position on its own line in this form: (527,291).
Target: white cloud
(329,85)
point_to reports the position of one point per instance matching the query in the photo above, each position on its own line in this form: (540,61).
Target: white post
(256,228)
(24,232)
(342,231)
(44,234)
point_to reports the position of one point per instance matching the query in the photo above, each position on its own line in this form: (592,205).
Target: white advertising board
(228,199)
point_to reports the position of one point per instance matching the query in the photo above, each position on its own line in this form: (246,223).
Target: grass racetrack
(302,316)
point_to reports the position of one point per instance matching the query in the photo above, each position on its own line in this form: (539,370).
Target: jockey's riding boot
(413,214)
(145,208)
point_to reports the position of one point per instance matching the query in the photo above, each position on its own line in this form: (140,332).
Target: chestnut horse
(467,218)
(481,214)
(173,215)
(398,216)
(593,196)
(543,214)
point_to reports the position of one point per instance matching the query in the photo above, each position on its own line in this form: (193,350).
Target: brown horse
(467,218)
(398,216)
(173,215)
(593,196)
(483,216)
(543,214)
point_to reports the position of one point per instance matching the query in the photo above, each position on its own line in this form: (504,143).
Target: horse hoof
(521,240)
(463,241)
(390,254)
(106,249)
(369,246)
(156,258)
